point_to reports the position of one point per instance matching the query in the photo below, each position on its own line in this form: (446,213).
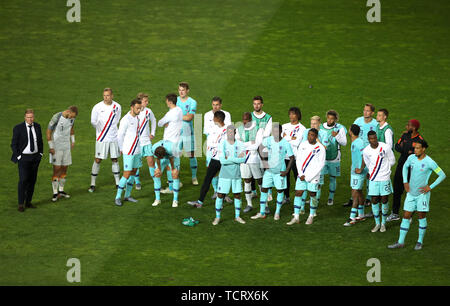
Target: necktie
(31,139)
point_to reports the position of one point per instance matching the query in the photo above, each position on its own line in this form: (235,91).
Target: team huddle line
(258,151)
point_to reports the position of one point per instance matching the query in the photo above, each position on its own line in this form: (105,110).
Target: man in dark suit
(27,150)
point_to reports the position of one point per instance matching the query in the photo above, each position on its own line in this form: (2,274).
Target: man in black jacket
(405,146)
(27,150)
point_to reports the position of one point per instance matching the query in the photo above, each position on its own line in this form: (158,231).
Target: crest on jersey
(382,154)
(315,151)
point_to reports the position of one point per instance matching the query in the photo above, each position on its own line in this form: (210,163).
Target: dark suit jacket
(20,140)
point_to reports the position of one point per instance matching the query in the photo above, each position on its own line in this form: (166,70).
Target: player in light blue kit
(337,136)
(189,107)
(366,124)
(276,169)
(232,155)
(418,191)
(357,176)
(165,156)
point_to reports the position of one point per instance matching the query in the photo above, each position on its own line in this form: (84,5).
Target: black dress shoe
(21,208)
(29,205)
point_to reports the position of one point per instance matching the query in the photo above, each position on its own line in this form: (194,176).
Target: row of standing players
(250,153)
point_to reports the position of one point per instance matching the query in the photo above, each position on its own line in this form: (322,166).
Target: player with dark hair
(165,155)
(172,123)
(385,133)
(379,158)
(293,133)
(128,140)
(208,126)
(218,134)
(252,138)
(61,140)
(405,146)
(310,162)
(420,166)
(357,176)
(337,137)
(366,124)
(276,169)
(231,155)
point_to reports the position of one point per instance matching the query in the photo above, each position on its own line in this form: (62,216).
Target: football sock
(122,183)
(361,210)
(304,195)
(130,183)
(376,213)
(137,178)
(297,206)
(422,229)
(262,203)
(404,227)
(353,213)
(367,190)
(332,187)
(318,193)
(193,164)
(384,212)
(170,179)
(248,193)
(55,184)
(219,204)
(253,182)
(116,171)
(280,196)
(313,205)
(152,172)
(176,189)
(62,182)
(94,172)
(237,207)
(157,187)
(214,183)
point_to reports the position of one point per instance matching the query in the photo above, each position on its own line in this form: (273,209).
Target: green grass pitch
(236,50)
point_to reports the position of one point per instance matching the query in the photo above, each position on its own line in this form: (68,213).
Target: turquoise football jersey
(323,137)
(277,152)
(357,154)
(230,166)
(168,145)
(188,107)
(420,173)
(365,128)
